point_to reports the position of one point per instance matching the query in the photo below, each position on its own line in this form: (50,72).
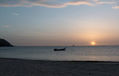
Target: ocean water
(85,53)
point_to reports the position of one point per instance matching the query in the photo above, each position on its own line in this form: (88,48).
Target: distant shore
(20,67)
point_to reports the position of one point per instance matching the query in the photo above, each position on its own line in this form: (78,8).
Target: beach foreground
(19,67)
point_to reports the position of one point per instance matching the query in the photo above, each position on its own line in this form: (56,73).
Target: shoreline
(25,67)
(21,59)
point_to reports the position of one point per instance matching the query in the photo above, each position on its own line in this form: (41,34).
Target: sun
(93,43)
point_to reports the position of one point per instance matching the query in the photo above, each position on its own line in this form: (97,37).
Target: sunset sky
(59,22)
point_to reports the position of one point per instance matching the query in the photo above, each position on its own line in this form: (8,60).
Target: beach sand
(19,67)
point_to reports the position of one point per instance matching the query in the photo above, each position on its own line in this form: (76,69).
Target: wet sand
(20,67)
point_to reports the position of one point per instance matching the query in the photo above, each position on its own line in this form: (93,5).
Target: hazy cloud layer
(56,3)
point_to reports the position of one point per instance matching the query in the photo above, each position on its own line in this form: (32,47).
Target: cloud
(60,5)
(45,3)
(11,3)
(105,1)
(114,3)
(5,26)
(55,3)
(16,14)
(116,7)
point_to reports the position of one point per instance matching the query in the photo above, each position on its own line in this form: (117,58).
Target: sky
(59,22)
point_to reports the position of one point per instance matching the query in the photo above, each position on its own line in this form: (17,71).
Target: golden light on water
(93,43)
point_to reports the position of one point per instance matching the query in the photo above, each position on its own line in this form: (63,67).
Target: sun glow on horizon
(93,43)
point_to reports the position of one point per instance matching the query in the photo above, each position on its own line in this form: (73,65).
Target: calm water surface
(105,53)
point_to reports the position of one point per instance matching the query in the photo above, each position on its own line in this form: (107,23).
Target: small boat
(63,49)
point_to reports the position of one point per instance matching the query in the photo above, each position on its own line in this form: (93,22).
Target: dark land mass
(4,43)
(19,67)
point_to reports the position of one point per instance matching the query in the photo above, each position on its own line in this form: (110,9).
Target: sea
(72,53)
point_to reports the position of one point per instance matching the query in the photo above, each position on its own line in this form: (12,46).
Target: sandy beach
(19,67)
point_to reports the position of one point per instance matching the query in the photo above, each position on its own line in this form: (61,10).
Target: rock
(4,43)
